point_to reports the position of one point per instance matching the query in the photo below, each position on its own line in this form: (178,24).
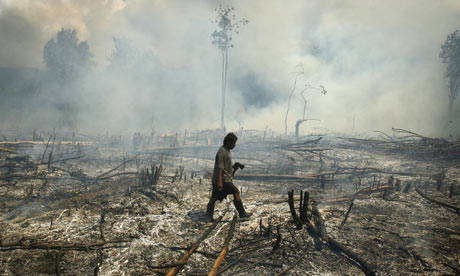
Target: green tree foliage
(66,57)
(450,55)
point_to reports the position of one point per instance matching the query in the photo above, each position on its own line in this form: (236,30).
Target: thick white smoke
(377,60)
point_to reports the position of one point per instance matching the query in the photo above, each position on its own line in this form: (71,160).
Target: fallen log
(282,272)
(118,174)
(228,266)
(252,264)
(388,231)
(222,254)
(275,177)
(6,150)
(31,143)
(366,268)
(298,145)
(334,201)
(22,244)
(321,233)
(192,249)
(64,159)
(109,171)
(456,209)
(371,190)
(364,265)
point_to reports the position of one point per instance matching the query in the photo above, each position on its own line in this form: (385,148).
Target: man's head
(230,140)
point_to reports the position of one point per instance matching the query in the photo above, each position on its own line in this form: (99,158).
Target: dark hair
(230,139)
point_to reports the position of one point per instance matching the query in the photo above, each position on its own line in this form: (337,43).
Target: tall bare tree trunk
(224,85)
(289,101)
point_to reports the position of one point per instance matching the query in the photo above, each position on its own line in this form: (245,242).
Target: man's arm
(220,181)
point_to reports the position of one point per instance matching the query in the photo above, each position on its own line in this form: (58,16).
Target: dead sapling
(101,224)
(277,243)
(440,177)
(303,209)
(407,188)
(348,212)
(58,262)
(296,219)
(99,260)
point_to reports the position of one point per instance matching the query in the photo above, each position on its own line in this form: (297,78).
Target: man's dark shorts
(229,189)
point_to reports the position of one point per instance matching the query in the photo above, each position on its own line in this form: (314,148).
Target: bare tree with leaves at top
(300,121)
(222,38)
(300,72)
(450,55)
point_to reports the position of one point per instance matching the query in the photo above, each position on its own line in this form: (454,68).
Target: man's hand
(220,185)
(237,166)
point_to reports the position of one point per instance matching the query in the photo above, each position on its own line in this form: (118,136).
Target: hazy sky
(378,60)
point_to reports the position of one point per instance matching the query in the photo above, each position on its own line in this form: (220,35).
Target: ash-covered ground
(113,205)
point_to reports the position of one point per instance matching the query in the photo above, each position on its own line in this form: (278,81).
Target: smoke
(378,61)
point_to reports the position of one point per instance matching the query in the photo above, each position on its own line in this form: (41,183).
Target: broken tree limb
(456,209)
(290,266)
(21,244)
(228,266)
(457,270)
(65,159)
(122,164)
(365,267)
(6,150)
(371,190)
(273,177)
(192,249)
(299,145)
(167,265)
(321,232)
(348,212)
(118,174)
(388,231)
(416,145)
(222,254)
(415,256)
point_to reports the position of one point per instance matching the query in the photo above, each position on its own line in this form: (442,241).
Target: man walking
(222,184)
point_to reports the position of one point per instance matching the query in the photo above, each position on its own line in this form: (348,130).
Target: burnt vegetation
(74,204)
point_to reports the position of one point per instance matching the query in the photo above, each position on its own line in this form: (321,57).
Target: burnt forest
(226,137)
(323,205)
